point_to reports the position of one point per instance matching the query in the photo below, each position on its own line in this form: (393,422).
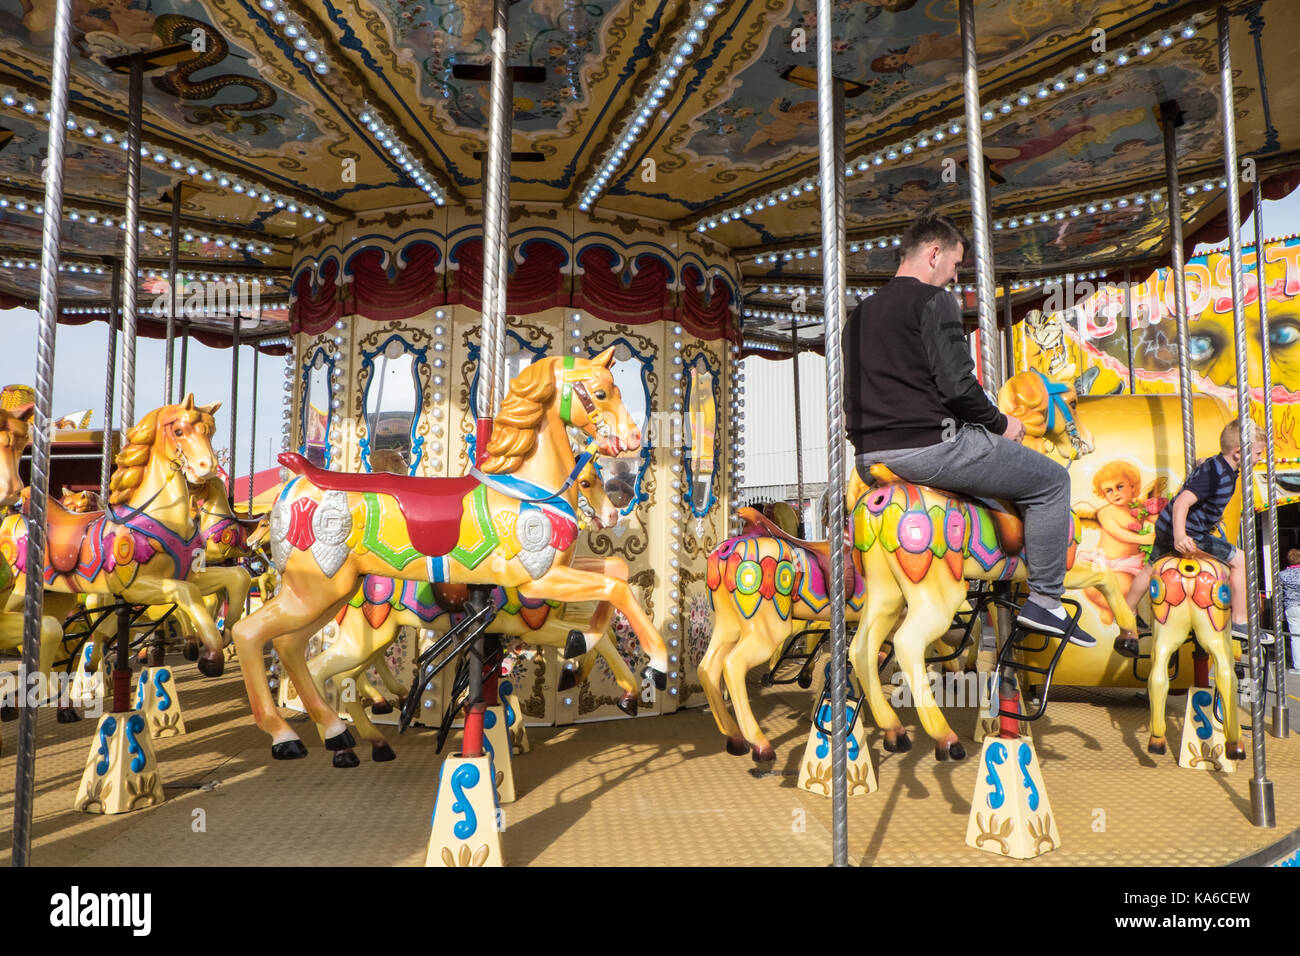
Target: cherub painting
(1125,524)
(786,121)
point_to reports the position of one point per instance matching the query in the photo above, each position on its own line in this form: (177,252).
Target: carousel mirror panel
(392,407)
(622,476)
(701,434)
(315,413)
(519,355)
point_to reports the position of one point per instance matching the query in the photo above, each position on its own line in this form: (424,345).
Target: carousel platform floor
(659,791)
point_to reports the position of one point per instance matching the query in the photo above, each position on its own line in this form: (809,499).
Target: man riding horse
(914,405)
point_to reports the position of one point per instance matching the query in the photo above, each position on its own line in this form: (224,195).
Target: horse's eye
(600,394)
(584,484)
(178,431)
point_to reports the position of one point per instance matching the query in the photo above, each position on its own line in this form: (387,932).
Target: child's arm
(1182,504)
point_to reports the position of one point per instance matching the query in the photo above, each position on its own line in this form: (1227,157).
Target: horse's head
(183,436)
(598,500)
(1048,410)
(15,434)
(590,401)
(78,502)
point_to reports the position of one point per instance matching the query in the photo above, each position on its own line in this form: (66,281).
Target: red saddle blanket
(432,507)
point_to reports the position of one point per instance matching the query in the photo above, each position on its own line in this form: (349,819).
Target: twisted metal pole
(1008,339)
(252,436)
(110,382)
(986,296)
(51,227)
(1281,715)
(172,276)
(798,421)
(496,214)
(1128,326)
(1168,119)
(234,406)
(1261,788)
(830,141)
(185,356)
(131,245)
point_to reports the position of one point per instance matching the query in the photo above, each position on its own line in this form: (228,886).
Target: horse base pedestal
(121,773)
(465,815)
(1203,746)
(514,719)
(157,699)
(496,735)
(815,766)
(88,683)
(1010,814)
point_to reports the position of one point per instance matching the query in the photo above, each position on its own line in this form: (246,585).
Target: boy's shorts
(1216,548)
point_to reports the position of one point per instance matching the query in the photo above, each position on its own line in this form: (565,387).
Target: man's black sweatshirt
(909,379)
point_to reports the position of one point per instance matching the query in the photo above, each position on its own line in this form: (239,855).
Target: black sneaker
(1035,617)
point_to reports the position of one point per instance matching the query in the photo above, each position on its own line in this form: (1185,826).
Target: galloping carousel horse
(511,522)
(141,549)
(918,547)
(1192,595)
(786,581)
(15,433)
(369,622)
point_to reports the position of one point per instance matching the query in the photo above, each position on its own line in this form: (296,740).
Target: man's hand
(1015,429)
(1185,545)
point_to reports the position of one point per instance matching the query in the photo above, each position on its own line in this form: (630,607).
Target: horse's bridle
(572,384)
(1056,399)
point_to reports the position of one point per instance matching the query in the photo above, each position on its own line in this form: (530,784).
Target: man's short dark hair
(930,228)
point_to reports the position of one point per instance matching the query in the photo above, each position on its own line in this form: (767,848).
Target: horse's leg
(1108,584)
(356,646)
(187,598)
(930,611)
(753,648)
(884,604)
(1216,644)
(304,604)
(389,679)
(726,632)
(571,585)
(1166,639)
(235,581)
(610,568)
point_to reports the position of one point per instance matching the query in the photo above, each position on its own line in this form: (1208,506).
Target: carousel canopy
(285,117)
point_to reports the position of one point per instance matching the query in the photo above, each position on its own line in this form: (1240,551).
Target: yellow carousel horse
(368,624)
(511,522)
(1192,595)
(141,548)
(15,434)
(918,547)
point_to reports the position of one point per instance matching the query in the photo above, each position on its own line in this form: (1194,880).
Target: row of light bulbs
(812,252)
(165,156)
(295,30)
(684,44)
(1063,81)
(401,154)
(104,310)
(37,208)
(83,269)
(735,428)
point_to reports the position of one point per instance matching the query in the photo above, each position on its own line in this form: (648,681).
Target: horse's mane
(514,430)
(133,460)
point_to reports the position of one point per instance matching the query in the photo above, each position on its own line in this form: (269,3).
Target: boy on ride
(1188,523)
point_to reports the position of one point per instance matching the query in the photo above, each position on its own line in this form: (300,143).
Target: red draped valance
(706,313)
(315,313)
(416,288)
(534,285)
(602,292)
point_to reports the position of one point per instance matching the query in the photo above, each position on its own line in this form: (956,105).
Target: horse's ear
(25,412)
(605,358)
(188,404)
(209,409)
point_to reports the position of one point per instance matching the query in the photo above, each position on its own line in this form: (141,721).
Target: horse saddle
(65,531)
(432,507)
(819,551)
(1008,524)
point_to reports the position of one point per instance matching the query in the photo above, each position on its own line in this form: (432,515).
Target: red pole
(482,435)
(1009,727)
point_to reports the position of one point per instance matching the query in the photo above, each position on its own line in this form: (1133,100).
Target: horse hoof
(764,753)
(157,656)
(343,741)
(954,751)
(8,712)
(190,651)
(568,679)
(1157,746)
(627,704)
(289,750)
(737,747)
(346,758)
(575,645)
(660,677)
(1235,751)
(66,715)
(381,752)
(1126,646)
(212,665)
(805,680)
(381,707)
(901,743)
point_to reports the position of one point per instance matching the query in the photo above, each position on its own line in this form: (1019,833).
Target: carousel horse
(141,549)
(15,433)
(1192,595)
(368,624)
(511,522)
(919,546)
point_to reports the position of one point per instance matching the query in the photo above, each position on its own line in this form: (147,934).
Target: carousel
(514,258)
